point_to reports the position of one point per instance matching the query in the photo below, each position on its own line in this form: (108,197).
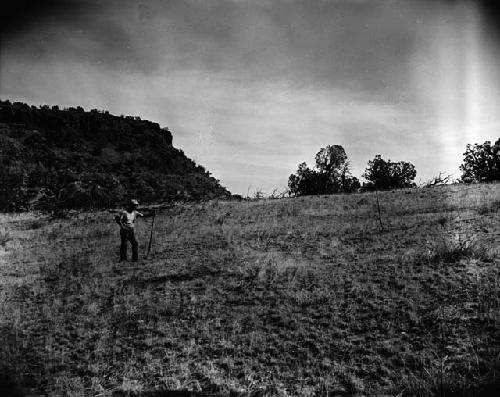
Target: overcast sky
(250,89)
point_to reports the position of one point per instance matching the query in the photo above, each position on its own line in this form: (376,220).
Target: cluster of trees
(481,162)
(385,175)
(332,174)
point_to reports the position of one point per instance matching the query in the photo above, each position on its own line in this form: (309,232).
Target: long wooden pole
(151,235)
(379,215)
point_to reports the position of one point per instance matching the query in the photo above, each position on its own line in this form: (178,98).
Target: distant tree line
(331,173)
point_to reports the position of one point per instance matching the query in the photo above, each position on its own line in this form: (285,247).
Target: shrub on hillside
(331,174)
(481,162)
(385,175)
(489,208)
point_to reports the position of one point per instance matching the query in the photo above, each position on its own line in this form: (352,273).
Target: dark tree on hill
(332,160)
(307,181)
(384,175)
(481,162)
(332,174)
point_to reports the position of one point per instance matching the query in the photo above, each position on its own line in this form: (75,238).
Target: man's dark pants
(128,235)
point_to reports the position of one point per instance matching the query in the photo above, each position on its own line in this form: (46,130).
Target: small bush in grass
(454,249)
(450,252)
(59,214)
(37,224)
(489,208)
(5,237)
(8,383)
(442,220)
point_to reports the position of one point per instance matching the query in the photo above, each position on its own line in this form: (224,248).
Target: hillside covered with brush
(72,158)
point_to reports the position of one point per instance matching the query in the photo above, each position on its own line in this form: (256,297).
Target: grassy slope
(287,297)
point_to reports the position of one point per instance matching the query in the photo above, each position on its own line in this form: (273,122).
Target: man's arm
(118,219)
(146,212)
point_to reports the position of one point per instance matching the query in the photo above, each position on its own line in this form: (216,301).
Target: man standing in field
(126,220)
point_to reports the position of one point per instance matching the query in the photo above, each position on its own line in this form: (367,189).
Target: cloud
(303,42)
(251,89)
(20,15)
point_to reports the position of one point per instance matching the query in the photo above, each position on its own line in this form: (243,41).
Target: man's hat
(134,202)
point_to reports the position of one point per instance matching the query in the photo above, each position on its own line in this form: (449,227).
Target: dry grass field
(290,297)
